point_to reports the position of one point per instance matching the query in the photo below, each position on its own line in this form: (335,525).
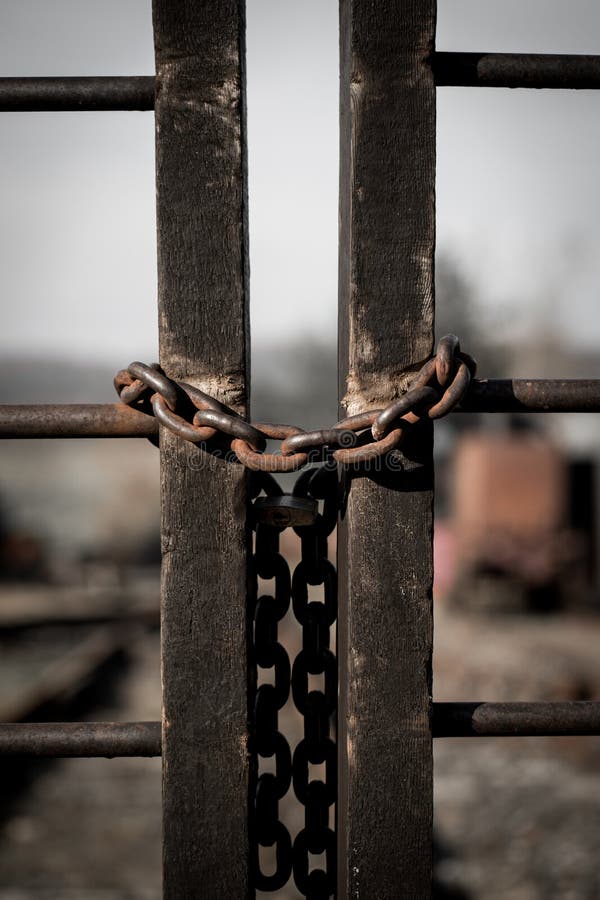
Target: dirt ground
(515,819)
(90,829)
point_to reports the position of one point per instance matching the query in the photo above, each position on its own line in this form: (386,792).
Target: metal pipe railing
(77,94)
(111,739)
(515,719)
(111,420)
(509,70)
(75,420)
(532,395)
(517,70)
(86,739)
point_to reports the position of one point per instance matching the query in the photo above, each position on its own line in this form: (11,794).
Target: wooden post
(387,237)
(203,323)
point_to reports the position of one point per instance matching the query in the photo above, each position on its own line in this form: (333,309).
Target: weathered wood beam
(203,322)
(387,236)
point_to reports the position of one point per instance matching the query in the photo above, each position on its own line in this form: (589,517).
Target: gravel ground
(515,823)
(89,829)
(515,819)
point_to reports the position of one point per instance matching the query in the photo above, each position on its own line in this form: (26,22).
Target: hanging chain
(317,707)
(195,416)
(436,390)
(269,699)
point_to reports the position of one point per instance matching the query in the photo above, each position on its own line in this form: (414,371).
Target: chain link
(312,769)
(267,740)
(316,793)
(317,706)
(437,389)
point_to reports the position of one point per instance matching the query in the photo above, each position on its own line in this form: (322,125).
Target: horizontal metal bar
(111,739)
(515,719)
(535,396)
(516,70)
(62,739)
(88,739)
(111,420)
(94,420)
(76,94)
(97,93)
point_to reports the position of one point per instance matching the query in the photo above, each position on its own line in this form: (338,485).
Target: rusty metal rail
(85,739)
(112,739)
(76,94)
(103,93)
(108,420)
(92,420)
(532,395)
(517,70)
(515,719)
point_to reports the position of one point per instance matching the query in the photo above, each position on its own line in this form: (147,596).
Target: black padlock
(285,511)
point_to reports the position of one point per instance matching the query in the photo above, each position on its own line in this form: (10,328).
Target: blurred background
(516,592)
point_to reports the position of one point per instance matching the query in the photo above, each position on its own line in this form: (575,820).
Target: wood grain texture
(203,324)
(387,234)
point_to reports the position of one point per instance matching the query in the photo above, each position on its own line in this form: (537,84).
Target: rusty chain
(188,412)
(314,790)
(309,768)
(317,706)
(268,742)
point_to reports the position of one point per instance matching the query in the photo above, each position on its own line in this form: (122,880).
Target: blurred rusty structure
(386,720)
(515,547)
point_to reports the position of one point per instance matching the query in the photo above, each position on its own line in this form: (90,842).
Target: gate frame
(202,224)
(386,300)
(386,268)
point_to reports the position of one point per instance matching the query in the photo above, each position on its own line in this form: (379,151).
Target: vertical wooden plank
(387,235)
(203,316)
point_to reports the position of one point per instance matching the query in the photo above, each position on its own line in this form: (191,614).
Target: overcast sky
(518,185)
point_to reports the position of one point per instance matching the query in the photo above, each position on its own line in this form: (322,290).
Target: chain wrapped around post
(437,389)
(316,707)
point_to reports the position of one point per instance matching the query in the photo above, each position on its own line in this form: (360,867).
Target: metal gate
(219,637)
